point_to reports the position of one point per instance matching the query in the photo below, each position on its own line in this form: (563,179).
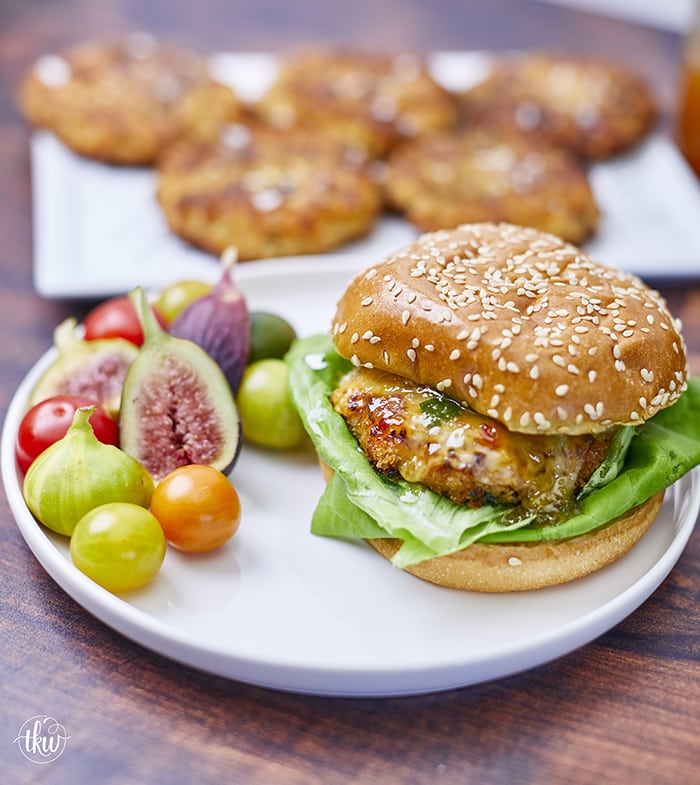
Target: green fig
(177,406)
(78,473)
(95,369)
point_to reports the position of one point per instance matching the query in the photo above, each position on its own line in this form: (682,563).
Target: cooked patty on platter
(445,179)
(123,101)
(267,192)
(592,107)
(375,99)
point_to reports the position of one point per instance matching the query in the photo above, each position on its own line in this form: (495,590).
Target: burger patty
(417,433)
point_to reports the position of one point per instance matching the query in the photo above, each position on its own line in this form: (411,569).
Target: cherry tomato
(268,415)
(47,422)
(117,318)
(271,335)
(197,507)
(119,545)
(176,297)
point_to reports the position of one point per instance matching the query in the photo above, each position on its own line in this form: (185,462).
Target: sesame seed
(367,301)
(514,561)
(443,384)
(405,316)
(561,390)
(455,354)
(411,354)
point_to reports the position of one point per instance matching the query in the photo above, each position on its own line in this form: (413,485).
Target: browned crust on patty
(593,107)
(123,101)
(268,193)
(445,179)
(377,99)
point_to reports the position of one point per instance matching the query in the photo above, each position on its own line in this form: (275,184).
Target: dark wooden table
(623,709)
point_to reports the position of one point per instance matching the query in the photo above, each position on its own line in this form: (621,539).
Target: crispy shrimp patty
(417,433)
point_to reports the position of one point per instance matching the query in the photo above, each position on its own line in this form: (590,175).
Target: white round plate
(282,608)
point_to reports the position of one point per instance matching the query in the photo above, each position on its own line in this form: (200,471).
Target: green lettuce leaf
(359,502)
(613,462)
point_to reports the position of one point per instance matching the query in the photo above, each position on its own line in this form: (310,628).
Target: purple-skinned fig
(177,407)
(95,369)
(219,322)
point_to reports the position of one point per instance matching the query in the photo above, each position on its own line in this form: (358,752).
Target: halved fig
(96,369)
(177,407)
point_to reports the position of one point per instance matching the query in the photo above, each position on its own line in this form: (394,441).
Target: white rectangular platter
(98,229)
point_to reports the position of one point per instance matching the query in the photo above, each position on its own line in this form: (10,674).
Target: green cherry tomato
(121,546)
(267,413)
(270,336)
(176,297)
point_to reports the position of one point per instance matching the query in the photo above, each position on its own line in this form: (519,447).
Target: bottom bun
(519,566)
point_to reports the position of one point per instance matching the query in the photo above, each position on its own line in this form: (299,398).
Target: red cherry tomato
(116,318)
(47,422)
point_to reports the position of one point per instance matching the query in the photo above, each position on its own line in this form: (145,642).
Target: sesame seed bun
(520,566)
(522,326)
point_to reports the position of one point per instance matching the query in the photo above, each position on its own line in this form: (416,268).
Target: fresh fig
(95,369)
(77,473)
(177,407)
(219,322)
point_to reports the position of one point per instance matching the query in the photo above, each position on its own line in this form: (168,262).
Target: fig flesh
(95,369)
(219,322)
(177,407)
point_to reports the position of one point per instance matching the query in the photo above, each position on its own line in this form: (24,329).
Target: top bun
(518,324)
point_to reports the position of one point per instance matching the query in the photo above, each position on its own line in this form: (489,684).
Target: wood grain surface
(623,709)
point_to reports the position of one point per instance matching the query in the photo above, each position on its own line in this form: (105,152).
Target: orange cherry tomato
(197,507)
